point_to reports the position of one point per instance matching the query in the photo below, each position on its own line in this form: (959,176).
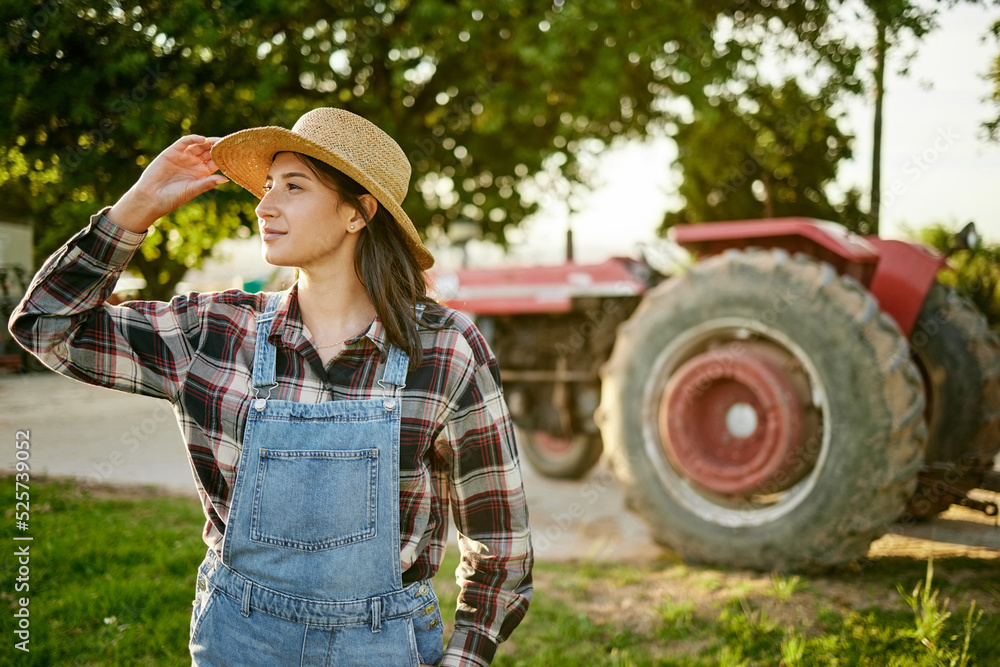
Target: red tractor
(778,405)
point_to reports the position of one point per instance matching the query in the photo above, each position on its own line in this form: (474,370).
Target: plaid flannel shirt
(456,439)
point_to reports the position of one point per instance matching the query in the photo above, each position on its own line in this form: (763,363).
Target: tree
(479,96)
(892,19)
(975,274)
(770,151)
(740,132)
(993,126)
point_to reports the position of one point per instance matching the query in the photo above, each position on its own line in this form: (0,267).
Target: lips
(268,234)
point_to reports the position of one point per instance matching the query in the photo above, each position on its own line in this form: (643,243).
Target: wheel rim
(553,447)
(925,368)
(732,423)
(722,371)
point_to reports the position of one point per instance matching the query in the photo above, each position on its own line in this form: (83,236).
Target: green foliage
(767,152)
(792,650)
(679,620)
(930,615)
(975,274)
(484,99)
(993,126)
(771,150)
(785,587)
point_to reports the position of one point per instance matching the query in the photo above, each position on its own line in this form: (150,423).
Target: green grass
(112,578)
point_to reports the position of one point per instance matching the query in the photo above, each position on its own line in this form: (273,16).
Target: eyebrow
(291,174)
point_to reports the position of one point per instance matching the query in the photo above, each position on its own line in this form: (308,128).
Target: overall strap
(395,370)
(265,354)
(395,375)
(395,367)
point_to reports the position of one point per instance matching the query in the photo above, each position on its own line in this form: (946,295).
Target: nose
(265,208)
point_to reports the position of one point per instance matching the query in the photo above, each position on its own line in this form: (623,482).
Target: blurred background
(574,136)
(522,120)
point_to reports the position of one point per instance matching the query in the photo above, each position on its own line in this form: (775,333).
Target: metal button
(422,591)
(201,584)
(429,609)
(433,624)
(259,404)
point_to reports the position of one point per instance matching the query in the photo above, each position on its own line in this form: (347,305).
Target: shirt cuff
(468,648)
(106,244)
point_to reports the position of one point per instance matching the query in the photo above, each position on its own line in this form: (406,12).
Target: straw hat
(339,138)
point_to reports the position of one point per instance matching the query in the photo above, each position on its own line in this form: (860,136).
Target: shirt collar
(287,326)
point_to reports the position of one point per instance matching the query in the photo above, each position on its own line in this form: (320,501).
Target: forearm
(496,589)
(73,282)
(493,600)
(63,319)
(134,212)
(492,519)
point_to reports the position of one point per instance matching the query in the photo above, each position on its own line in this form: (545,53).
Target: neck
(334,304)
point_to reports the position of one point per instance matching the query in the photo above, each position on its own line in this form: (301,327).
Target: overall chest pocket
(315,499)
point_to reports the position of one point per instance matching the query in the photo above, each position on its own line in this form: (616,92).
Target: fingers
(210,163)
(213,181)
(205,184)
(201,148)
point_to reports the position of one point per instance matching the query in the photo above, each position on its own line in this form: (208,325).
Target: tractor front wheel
(559,457)
(762,412)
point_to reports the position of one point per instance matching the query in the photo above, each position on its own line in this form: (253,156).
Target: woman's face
(303,222)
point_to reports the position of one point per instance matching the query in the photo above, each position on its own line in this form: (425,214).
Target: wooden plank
(953,531)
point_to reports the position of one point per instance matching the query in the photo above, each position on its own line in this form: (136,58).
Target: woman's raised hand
(179,174)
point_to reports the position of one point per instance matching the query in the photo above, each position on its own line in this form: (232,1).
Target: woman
(330,426)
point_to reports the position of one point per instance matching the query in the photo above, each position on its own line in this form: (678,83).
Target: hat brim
(245,157)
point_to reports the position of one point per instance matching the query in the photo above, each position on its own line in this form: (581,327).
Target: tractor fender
(538,289)
(903,278)
(827,242)
(898,274)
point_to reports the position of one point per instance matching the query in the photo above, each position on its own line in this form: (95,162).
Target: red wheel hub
(732,423)
(552,445)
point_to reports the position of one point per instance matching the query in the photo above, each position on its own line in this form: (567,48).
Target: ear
(370,204)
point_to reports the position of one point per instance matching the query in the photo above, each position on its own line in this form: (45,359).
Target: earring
(351,228)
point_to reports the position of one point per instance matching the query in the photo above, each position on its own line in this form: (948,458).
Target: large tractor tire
(762,412)
(959,358)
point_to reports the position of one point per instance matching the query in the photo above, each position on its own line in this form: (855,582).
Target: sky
(936,166)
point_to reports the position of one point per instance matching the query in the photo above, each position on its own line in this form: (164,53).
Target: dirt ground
(103,436)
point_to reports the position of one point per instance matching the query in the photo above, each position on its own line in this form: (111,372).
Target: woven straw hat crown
(341,139)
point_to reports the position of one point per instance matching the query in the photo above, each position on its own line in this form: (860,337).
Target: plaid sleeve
(139,347)
(491,516)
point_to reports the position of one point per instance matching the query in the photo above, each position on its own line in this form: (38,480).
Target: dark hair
(384,264)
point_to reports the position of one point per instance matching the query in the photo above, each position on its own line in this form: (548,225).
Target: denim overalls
(310,571)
